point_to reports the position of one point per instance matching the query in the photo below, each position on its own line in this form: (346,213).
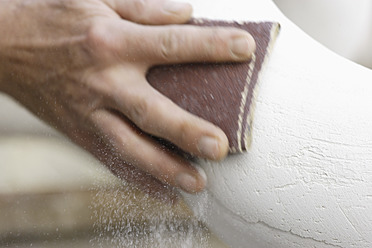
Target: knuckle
(169,44)
(140,113)
(217,44)
(96,35)
(140,6)
(104,83)
(99,39)
(216,39)
(183,130)
(139,10)
(218,35)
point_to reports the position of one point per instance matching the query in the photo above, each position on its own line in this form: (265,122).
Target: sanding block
(222,93)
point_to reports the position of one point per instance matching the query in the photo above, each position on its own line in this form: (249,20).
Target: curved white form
(307,179)
(341,25)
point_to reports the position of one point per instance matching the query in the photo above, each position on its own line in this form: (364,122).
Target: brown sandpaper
(222,93)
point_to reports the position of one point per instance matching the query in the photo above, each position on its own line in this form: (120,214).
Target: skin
(80,66)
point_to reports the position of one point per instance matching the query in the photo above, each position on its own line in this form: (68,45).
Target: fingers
(97,143)
(168,44)
(152,11)
(185,43)
(138,150)
(155,114)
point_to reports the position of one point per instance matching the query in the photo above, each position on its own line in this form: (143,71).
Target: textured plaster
(307,179)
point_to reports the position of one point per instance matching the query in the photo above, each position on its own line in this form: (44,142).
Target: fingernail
(187,182)
(242,46)
(209,147)
(175,7)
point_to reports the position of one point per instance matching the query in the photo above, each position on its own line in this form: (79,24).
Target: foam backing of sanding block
(222,93)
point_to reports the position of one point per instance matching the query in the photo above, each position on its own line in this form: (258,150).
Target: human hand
(81,66)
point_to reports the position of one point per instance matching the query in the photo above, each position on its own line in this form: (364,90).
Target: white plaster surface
(307,179)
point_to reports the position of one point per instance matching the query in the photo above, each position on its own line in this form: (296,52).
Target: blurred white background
(344,26)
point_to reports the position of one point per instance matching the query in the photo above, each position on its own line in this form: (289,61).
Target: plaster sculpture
(306,180)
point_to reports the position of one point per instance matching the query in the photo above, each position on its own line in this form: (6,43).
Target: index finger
(185,43)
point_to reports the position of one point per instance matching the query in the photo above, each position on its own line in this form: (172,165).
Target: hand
(81,65)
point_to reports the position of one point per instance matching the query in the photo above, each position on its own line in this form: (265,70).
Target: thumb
(155,12)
